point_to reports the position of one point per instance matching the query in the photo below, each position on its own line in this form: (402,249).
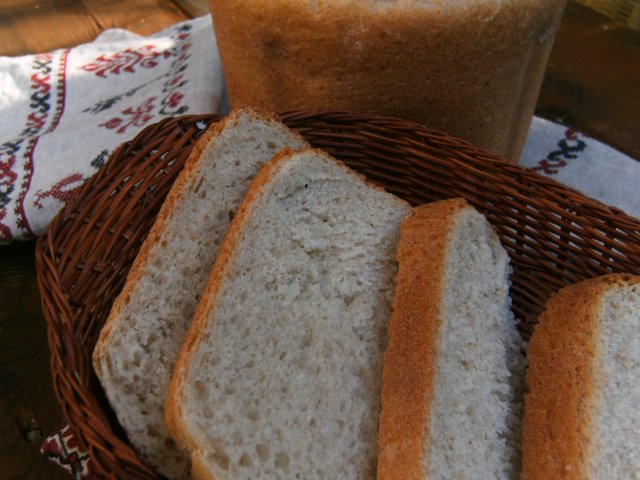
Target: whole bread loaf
(582,419)
(451,393)
(137,348)
(421,60)
(280,374)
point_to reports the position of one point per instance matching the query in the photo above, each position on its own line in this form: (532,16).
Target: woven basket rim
(585,237)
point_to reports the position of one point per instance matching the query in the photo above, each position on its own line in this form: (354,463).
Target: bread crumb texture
(139,345)
(475,417)
(581,411)
(285,380)
(452,393)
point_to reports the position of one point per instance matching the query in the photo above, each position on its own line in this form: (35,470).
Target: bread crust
(152,243)
(175,411)
(175,408)
(410,359)
(374,56)
(561,381)
(178,190)
(139,265)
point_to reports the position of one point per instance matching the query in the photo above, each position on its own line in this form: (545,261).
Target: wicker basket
(554,235)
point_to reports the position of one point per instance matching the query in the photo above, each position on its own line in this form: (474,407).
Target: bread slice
(581,411)
(451,394)
(138,345)
(280,374)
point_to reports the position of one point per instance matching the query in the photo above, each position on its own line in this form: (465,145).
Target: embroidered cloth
(584,164)
(64,112)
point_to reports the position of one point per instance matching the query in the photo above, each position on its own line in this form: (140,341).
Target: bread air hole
(221,459)
(253,415)
(170,444)
(222,216)
(250,364)
(201,390)
(282,461)
(245,460)
(246,332)
(137,358)
(151,339)
(152,431)
(263,452)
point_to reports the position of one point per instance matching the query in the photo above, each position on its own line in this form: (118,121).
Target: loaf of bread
(280,374)
(139,343)
(452,381)
(582,419)
(472,68)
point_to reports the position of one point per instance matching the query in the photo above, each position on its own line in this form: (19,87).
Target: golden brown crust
(199,468)
(410,359)
(370,56)
(174,410)
(561,381)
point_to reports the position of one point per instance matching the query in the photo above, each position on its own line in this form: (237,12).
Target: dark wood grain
(141,16)
(31,26)
(28,408)
(591,82)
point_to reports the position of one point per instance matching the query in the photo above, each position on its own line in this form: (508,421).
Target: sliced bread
(139,343)
(451,394)
(280,374)
(581,411)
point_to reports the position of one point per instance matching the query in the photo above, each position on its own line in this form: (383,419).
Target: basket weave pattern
(554,235)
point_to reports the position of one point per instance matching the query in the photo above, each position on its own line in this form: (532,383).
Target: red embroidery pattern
(62,448)
(170,104)
(59,190)
(7,181)
(174,99)
(173,80)
(568,148)
(61,91)
(5,231)
(45,110)
(24,145)
(126,61)
(138,117)
(41,102)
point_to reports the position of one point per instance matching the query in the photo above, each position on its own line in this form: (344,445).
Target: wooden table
(591,84)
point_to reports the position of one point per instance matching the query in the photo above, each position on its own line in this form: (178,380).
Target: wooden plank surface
(28,408)
(591,84)
(32,26)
